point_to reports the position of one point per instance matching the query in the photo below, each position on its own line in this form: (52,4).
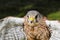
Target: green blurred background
(49,8)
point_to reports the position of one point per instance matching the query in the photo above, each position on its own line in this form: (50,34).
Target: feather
(54,26)
(36,30)
(11,28)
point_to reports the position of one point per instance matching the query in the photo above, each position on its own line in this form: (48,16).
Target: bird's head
(33,17)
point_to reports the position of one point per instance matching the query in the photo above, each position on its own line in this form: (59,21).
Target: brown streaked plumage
(36,29)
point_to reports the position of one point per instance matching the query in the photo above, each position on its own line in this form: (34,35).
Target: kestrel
(35,27)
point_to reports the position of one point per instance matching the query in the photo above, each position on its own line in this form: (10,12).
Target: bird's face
(33,18)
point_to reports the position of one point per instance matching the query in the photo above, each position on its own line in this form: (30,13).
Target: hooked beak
(31,19)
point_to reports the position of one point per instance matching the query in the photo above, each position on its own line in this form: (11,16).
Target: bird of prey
(35,27)
(12,28)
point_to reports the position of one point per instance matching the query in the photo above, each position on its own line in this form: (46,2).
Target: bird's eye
(28,16)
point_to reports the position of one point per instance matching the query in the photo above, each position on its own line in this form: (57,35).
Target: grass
(54,15)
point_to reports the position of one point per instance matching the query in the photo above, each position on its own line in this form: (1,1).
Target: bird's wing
(10,22)
(54,25)
(15,33)
(16,20)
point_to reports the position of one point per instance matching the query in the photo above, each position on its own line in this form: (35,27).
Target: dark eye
(28,16)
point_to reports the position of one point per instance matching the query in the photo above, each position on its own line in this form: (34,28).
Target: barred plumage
(12,29)
(35,27)
(15,33)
